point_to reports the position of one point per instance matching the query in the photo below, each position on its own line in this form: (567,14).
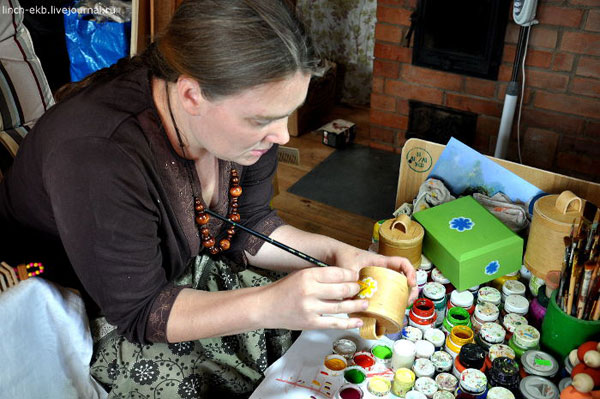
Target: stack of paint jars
(524,338)
(460,335)
(456,317)
(489,294)
(422,315)
(436,293)
(471,356)
(515,304)
(463,299)
(438,277)
(512,287)
(490,334)
(496,351)
(485,312)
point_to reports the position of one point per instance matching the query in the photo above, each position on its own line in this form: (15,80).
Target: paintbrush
(587,275)
(592,293)
(564,273)
(574,270)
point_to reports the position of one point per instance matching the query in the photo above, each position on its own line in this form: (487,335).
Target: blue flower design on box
(492,267)
(461,224)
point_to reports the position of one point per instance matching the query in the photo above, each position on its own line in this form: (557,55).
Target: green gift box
(468,244)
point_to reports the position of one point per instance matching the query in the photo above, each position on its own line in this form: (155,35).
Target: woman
(118,175)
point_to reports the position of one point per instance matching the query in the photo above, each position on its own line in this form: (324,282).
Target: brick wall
(560,126)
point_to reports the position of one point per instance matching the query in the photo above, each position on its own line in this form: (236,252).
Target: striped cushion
(24,91)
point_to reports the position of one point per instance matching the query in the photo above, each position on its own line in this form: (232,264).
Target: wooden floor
(314,216)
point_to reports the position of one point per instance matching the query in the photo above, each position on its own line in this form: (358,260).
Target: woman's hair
(226,45)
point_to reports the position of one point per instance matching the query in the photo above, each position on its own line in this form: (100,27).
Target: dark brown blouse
(97,179)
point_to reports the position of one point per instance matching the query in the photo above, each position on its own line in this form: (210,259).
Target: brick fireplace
(560,125)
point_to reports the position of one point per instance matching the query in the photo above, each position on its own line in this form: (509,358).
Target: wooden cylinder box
(553,218)
(402,237)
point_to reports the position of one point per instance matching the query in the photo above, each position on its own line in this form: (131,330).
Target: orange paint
(335,364)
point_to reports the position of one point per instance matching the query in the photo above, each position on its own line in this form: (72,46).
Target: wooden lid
(564,208)
(401,230)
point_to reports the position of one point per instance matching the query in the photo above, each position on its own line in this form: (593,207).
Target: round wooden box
(402,237)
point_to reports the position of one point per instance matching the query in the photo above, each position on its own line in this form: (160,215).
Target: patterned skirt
(228,367)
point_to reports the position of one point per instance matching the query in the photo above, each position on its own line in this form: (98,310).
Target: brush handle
(290,250)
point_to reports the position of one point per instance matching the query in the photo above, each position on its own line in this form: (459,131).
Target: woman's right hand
(307,299)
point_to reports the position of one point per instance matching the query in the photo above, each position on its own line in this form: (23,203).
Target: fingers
(337,291)
(414,293)
(338,307)
(333,274)
(331,322)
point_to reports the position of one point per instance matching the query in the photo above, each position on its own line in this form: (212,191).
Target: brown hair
(226,45)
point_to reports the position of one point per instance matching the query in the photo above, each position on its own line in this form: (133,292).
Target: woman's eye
(261,123)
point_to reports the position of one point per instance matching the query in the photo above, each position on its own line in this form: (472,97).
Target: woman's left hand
(353,258)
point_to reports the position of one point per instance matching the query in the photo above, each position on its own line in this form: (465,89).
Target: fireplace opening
(461,36)
(437,123)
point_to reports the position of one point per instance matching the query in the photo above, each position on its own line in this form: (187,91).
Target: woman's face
(243,127)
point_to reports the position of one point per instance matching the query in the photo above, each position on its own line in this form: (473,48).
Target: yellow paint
(335,364)
(379,385)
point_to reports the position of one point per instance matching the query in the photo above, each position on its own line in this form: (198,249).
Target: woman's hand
(352,258)
(299,300)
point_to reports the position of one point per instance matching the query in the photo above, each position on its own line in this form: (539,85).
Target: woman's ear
(190,95)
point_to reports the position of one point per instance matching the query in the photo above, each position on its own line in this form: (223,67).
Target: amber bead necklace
(201,217)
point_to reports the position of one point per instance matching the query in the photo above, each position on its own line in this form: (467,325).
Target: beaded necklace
(202,218)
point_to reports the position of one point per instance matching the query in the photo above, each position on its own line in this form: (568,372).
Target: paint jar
(525,274)
(424,349)
(422,315)
(463,299)
(379,386)
(515,304)
(426,385)
(499,282)
(535,387)
(511,321)
(458,368)
(404,380)
(355,375)
(436,337)
(538,308)
(411,333)
(485,312)
(489,294)
(436,293)
(415,395)
(423,368)
(421,280)
(538,363)
(490,334)
(535,283)
(403,356)
(499,393)
(344,347)
(456,317)
(472,384)
(349,391)
(334,365)
(443,395)
(459,336)
(512,287)
(472,356)
(426,266)
(364,359)
(438,277)
(504,373)
(382,354)
(496,351)
(442,361)
(524,338)
(446,382)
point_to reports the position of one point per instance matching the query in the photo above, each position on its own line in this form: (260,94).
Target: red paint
(364,361)
(350,393)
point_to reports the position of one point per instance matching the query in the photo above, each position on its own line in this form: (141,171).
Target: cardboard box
(338,133)
(468,244)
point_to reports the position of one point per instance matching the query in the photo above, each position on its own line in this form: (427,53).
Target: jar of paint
(438,277)
(456,317)
(403,356)
(436,337)
(411,333)
(344,347)
(539,363)
(504,373)
(537,309)
(524,338)
(443,395)
(349,391)
(489,294)
(499,282)
(423,368)
(536,387)
(379,386)
(485,312)
(422,314)
(490,334)
(463,299)
(334,365)
(382,354)
(515,304)
(426,265)
(458,368)
(436,293)
(499,393)
(512,287)
(442,361)
(446,382)
(424,349)
(404,380)
(459,336)
(355,375)
(496,351)
(511,321)
(472,356)
(426,385)
(535,283)
(471,384)
(364,359)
